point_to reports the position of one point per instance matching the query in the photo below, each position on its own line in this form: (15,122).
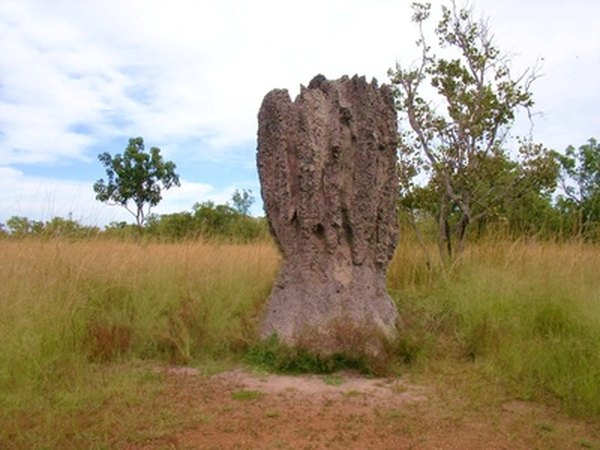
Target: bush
(270,354)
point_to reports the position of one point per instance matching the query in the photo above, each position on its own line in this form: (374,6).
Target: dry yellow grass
(68,303)
(526,313)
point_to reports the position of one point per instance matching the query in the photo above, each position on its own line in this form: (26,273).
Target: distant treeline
(553,196)
(536,216)
(207,220)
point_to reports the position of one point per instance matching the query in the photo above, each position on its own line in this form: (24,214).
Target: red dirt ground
(240,410)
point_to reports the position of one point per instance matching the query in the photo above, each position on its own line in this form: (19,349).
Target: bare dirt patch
(341,386)
(243,410)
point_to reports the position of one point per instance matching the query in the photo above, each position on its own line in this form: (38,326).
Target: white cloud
(74,73)
(565,38)
(184,197)
(41,198)
(52,82)
(189,70)
(189,75)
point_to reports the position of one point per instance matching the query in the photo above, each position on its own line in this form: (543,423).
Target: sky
(80,77)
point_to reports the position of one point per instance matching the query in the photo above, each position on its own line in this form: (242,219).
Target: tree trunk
(444,233)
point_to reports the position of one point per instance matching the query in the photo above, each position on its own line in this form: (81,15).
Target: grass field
(526,313)
(83,324)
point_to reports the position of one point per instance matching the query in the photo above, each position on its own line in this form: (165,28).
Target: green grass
(102,407)
(527,314)
(333,380)
(73,311)
(84,323)
(244,395)
(352,393)
(273,356)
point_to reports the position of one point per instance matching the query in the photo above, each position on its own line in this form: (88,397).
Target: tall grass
(68,307)
(528,312)
(102,300)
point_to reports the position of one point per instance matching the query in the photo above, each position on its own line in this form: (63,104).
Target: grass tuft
(271,355)
(244,395)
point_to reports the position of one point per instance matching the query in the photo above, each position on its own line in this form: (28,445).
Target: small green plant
(399,389)
(333,380)
(545,426)
(271,355)
(396,414)
(246,395)
(584,443)
(352,393)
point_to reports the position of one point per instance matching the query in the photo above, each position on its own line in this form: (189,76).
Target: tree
(176,226)
(580,183)
(137,177)
(18,226)
(242,201)
(21,226)
(56,227)
(223,221)
(460,144)
(61,227)
(213,219)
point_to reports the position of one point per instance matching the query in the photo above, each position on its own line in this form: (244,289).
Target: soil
(328,168)
(243,410)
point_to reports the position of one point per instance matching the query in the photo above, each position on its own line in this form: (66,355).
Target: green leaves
(580,182)
(242,201)
(135,176)
(421,11)
(457,132)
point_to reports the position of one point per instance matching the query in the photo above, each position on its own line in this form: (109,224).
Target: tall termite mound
(327,167)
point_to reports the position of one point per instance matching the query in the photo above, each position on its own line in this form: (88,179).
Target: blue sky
(78,78)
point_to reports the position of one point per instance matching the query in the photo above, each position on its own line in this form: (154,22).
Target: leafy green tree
(173,227)
(37,227)
(457,134)
(223,221)
(580,183)
(121,230)
(242,201)
(212,219)
(135,179)
(61,227)
(55,227)
(18,226)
